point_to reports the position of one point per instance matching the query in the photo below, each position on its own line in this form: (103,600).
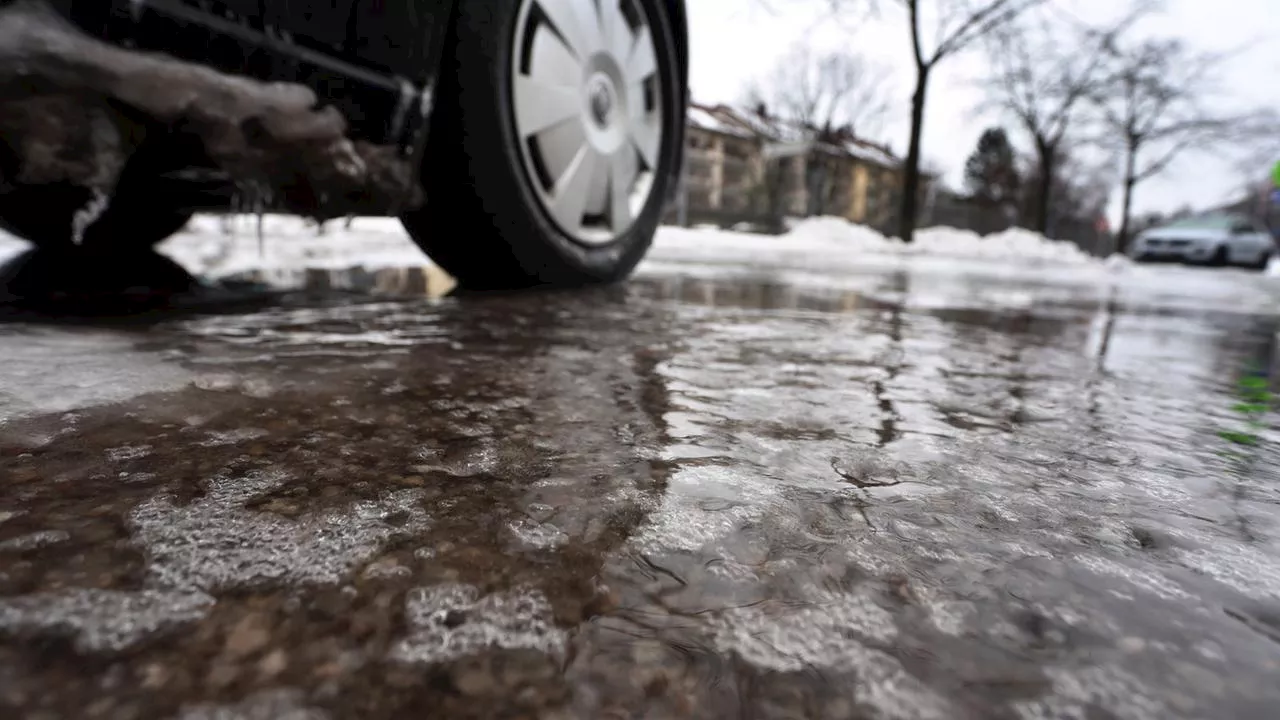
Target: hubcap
(601,101)
(586,95)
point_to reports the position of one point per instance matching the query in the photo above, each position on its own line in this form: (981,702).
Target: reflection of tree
(892,362)
(1104,322)
(1248,358)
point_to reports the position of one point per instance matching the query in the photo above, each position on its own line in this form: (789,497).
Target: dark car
(547,135)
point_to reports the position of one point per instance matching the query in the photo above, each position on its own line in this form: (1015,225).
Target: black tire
(482,221)
(1219,258)
(42,215)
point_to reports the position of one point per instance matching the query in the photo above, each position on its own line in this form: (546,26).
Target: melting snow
(215,543)
(451,621)
(102,620)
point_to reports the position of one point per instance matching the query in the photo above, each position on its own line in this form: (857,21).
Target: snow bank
(833,244)
(216,246)
(1014,244)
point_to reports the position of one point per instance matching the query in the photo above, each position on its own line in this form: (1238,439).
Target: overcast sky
(738,41)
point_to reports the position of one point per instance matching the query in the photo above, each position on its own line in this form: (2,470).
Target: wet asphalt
(707,493)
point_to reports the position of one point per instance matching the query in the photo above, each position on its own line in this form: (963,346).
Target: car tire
(490,218)
(1219,257)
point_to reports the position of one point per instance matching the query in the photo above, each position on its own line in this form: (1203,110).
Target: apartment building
(820,172)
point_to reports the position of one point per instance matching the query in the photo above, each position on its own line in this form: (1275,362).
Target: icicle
(88,214)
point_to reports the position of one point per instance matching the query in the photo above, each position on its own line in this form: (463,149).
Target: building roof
(726,120)
(706,119)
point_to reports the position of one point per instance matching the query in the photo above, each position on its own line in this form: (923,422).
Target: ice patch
(541,536)
(1248,571)
(703,505)
(215,543)
(102,620)
(950,616)
(55,370)
(1147,580)
(789,639)
(452,621)
(1078,692)
(829,635)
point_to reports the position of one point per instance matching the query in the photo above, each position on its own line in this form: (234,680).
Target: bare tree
(822,92)
(1044,70)
(820,96)
(956,25)
(1161,100)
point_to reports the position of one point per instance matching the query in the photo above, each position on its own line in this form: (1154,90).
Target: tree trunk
(911,171)
(1047,161)
(1126,206)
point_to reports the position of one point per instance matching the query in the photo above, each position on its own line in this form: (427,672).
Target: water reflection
(676,498)
(99,284)
(410,281)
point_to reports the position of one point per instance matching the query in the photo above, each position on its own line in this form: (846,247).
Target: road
(927,491)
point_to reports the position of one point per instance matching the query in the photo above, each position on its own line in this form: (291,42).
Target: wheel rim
(586,94)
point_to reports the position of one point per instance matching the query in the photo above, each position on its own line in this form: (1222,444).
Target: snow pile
(834,231)
(1014,244)
(222,245)
(1118,263)
(1273,267)
(825,243)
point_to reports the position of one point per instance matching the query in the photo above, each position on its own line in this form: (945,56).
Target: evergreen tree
(991,172)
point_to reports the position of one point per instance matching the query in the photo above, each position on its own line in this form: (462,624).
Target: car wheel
(1219,257)
(554,142)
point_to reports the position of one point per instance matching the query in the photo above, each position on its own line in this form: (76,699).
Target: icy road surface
(915,488)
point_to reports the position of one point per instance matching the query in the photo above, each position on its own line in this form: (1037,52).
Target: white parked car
(1215,239)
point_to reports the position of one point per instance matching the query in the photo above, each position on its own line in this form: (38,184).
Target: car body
(466,88)
(1214,238)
